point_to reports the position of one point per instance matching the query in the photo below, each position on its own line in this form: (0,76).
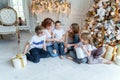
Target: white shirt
(37,42)
(49,36)
(88,47)
(58,33)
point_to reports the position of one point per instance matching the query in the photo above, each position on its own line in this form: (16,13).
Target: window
(18,6)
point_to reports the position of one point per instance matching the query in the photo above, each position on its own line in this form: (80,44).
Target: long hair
(75,30)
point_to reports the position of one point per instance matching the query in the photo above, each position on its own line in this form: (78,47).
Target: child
(37,46)
(59,34)
(91,54)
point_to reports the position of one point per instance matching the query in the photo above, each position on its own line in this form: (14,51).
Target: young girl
(92,55)
(71,39)
(37,46)
(59,34)
(48,25)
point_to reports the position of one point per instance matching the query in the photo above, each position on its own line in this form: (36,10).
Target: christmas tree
(102,24)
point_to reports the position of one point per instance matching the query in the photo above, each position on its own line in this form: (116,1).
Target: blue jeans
(59,46)
(36,54)
(83,60)
(50,50)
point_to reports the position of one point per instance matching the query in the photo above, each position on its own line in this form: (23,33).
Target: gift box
(109,53)
(117,61)
(19,61)
(118,50)
(79,53)
(114,53)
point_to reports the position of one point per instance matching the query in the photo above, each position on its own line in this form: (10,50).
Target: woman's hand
(76,46)
(68,45)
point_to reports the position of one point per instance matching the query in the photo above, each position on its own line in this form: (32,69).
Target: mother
(72,38)
(48,25)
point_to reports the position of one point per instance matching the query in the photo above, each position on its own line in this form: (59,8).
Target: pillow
(109,53)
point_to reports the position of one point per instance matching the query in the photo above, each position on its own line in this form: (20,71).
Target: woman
(72,38)
(48,25)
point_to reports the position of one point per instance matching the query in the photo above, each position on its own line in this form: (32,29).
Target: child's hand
(65,50)
(45,49)
(83,46)
(23,53)
(57,40)
(61,40)
(76,46)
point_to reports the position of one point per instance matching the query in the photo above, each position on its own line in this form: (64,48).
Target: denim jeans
(82,60)
(50,50)
(59,46)
(96,56)
(36,54)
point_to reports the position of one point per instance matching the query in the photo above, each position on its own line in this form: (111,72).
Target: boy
(37,46)
(59,34)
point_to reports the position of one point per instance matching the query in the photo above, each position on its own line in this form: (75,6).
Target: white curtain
(26,12)
(25,9)
(10,3)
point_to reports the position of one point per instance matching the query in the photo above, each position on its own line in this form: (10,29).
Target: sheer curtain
(25,11)
(10,3)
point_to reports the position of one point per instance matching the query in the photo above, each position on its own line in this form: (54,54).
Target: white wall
(79,9)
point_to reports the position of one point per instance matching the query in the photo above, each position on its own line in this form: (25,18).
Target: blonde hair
(86,37)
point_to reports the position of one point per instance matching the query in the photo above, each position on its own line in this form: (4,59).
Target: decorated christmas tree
(101,22)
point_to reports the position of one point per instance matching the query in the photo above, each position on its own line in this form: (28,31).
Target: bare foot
(61,57)
(54,51)
(70,58)
(107,62)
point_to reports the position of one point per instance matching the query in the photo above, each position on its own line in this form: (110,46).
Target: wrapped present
(19,61)
(117,61)
(79,53)
(118,50)
(109,53)
(114,53)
